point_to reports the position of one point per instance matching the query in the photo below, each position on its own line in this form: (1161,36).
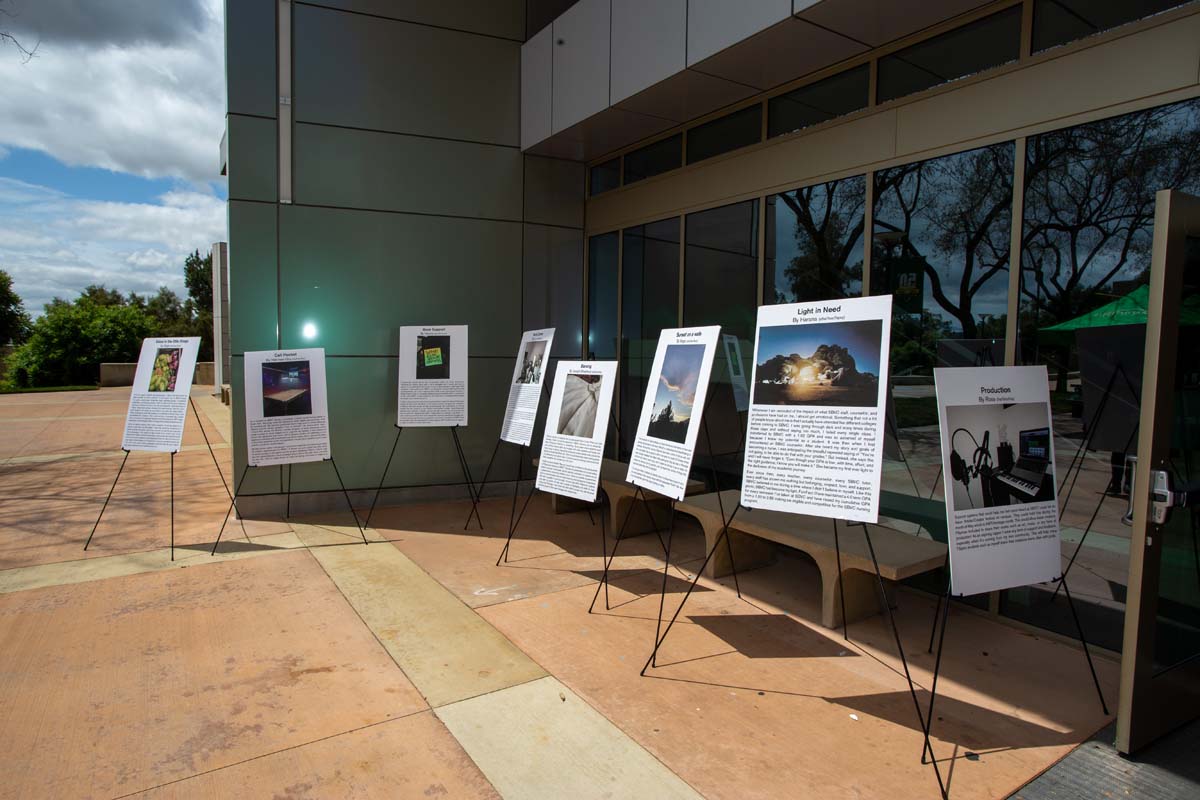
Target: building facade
(612,167)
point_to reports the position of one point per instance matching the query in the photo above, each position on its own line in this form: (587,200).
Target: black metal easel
(233,500)
(121,469)
(462,463)
(928,722)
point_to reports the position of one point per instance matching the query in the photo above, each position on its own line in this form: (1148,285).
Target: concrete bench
(620,495)
(752,532)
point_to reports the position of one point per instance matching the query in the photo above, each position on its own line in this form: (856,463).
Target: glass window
(832,97)
(814,242)
(1057,22)
(602,296)
(649,303)
(1086,239)
(976,46)
(941,249)
(720,282)
(739,129)
(654,159)
(603,177)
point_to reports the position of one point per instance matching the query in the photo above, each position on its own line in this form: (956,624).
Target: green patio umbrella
(1127,310)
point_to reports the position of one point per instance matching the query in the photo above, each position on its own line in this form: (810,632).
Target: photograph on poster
(819,364)
(581,399)
(166,369)
(531,359)
(433,357)
(286,389)
(675,395)
(1006,447)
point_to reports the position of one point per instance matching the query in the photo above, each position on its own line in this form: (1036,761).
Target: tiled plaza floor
(299,662)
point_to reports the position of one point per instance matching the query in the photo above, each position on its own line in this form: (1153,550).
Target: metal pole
(382,477)
(346,494)
(232,504)
(106,499)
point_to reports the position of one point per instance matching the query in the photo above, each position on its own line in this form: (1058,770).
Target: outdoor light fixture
(309,331)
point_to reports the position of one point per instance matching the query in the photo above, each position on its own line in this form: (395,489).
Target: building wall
(412,204)
(1147,63)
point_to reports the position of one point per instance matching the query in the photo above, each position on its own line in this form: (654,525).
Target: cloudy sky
(109,141)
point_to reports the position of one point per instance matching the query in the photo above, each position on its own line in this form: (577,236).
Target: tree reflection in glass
(1089,216)
(814,247)
(941,248)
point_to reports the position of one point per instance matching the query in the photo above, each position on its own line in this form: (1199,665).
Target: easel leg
(512,513)
(937,668)
(662,597)
(287,510)
(609,558)
(346,494)
(721,506)
(383,477)
(462,460)
(208,444)
(650,514)
(691,588)
(837,549)
(899,646)
(1083,642)
(486,473)
(513,530)
(1096,512)
(106,499)
(232,505)
(172,506)
(937,609)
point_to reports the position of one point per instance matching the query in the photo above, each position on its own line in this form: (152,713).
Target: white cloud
(136,87)
(54,245)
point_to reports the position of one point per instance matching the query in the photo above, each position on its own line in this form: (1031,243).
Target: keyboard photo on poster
(433,358)
(1001,454)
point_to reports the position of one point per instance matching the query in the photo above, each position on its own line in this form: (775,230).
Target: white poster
(525,393)
(287,412)
(737,371)
(161,388)
(998,465)
(670,420)
(433,376)
(576,426)
(814,440)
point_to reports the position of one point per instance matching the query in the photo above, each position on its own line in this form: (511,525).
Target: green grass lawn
(37,389)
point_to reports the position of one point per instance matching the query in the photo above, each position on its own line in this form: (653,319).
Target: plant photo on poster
(819,364)
(531,359)
(676,393)
(166,369)
(433,357)
(286,389)
(581,399)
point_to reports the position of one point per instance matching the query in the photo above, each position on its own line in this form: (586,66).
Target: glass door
(1160,669)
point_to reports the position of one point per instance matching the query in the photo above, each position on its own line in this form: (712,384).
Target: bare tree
(953,211)
(828,230)
(8,38)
